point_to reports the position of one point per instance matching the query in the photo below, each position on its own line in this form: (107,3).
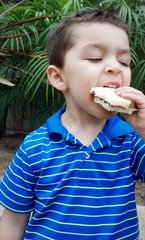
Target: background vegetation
(24,26)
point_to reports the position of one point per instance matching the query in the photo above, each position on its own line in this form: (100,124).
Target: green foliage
(23,60)
(24,26)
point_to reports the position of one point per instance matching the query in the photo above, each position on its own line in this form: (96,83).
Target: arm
(12,225)
(137,119)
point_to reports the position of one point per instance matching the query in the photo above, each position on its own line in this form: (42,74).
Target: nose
(113,67)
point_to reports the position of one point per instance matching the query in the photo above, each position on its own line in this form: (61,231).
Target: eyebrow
(101,46)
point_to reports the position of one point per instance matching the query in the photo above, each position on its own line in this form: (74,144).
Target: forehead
(103,33)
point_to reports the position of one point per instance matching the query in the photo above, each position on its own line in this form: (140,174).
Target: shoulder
(43,133)
(38,141)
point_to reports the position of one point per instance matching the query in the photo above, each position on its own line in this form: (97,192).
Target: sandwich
(108,99)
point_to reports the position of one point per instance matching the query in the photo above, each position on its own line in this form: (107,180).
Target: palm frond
(10,8)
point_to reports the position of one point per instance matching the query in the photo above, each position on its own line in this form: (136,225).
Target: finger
(128,90)
(132,94)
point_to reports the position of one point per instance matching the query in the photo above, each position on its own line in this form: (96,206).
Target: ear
(55,77)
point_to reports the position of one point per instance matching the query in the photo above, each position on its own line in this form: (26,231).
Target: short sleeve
(138,158)
(17,185)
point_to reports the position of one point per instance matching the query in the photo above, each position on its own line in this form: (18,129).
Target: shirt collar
(115,127)
(54,125)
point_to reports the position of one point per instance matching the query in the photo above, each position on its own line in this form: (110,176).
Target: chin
(105,114)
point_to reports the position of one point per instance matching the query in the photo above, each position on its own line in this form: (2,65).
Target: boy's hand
(137,119)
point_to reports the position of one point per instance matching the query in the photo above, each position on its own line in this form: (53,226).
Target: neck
(82,126)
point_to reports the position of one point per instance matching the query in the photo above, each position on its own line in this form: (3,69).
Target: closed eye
(125,64)
(94,59)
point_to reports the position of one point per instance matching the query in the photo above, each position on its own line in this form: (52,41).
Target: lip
(112,84)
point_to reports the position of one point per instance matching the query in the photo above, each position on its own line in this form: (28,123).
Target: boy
(77,172)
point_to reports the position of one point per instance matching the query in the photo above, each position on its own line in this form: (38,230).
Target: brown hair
(60,39)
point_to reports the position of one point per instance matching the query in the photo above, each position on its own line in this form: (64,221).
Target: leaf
(6,82)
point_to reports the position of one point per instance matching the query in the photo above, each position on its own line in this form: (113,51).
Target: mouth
(112,85)
(109,86)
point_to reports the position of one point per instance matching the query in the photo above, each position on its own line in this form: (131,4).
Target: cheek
(81,92)
(127,78)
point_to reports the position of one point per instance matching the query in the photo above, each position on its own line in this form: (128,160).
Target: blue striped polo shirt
(76,192)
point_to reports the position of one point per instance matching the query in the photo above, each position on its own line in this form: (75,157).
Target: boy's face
(99,57)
